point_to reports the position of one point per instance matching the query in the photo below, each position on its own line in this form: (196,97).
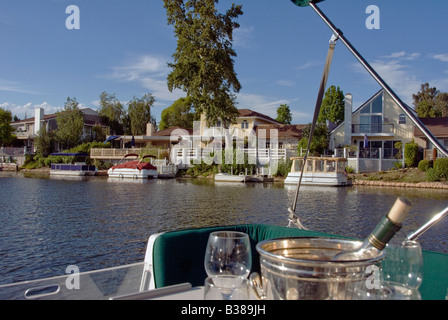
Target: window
(371,118)
(244,125)
(402,119)
(389,150)
(377,104)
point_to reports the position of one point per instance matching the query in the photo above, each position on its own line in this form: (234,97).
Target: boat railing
(319,165)
(72,167)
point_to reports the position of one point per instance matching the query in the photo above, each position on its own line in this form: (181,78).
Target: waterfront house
(27,130)
(257,134)
(372,131)
(439,128)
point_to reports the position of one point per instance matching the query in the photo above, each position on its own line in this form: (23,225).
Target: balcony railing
(373,128)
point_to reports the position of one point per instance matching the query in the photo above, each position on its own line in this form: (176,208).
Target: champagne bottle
(382,234)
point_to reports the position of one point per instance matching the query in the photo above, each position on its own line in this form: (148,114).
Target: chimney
(38,118)
(149,129)
(348,120)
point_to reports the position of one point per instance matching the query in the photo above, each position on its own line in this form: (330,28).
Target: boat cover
(135,165)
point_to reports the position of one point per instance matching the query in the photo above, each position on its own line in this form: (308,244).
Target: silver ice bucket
(302,269)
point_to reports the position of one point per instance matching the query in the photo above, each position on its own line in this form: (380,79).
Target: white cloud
(242,37)
(402,55)
(269,106)
(150,72)
(442,57)
(27,110)
(285,83)
(307,65)
(396,71)
(14,86)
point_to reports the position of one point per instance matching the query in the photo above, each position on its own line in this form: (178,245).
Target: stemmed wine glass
(403,268)
(228,259)
(401,274)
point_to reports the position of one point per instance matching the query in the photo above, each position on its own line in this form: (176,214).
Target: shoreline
(397,184)
(355,182)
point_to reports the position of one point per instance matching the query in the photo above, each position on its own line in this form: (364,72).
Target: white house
(373,129)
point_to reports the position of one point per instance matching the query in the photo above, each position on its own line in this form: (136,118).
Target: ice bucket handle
(257,286)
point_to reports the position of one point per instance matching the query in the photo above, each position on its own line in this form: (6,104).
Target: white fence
(185,157)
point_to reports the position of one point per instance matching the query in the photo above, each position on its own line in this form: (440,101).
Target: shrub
(424,165)
(431,175)
(349,169)
(439,171)
(441,166)
(410,154)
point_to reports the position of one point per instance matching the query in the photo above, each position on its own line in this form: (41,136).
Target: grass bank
(409,177)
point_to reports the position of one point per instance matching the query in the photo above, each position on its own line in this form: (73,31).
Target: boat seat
(178,257)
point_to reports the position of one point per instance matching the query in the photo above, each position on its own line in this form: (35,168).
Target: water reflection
(48,224)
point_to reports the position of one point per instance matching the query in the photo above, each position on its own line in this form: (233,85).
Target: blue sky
(122,47)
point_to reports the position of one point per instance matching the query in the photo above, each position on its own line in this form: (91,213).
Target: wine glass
(403,269)
(228,258)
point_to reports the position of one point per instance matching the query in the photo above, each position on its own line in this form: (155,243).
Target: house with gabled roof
(27,129)
(374,128)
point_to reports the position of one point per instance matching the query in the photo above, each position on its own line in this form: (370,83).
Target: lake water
(47,224)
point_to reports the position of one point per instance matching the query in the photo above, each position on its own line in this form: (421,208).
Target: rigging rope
(293,218)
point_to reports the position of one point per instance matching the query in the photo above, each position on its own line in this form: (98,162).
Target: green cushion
(179,256)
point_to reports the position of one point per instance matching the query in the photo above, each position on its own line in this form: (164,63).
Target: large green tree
(203,64)
(70,124)
(333,105)
(44,142)
(319,141)
(430,102)
(112,112)
(6,130)
(178,114)
(284,114)
(139,111)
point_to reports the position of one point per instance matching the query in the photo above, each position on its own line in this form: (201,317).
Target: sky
(123,47)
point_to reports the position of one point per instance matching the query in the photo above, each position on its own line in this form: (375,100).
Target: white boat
(134,169)
(78,169)
(318,171)
(227,177)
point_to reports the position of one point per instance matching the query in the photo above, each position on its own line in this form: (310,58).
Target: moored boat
(227,177)
(75,169)
(134,169)
(318,171)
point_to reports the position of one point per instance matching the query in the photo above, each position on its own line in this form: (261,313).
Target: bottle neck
(382,233)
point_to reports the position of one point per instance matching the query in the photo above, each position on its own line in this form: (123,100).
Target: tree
(139,111)
(203,61)
(112,112)
(430,102)
(319,141)
(442,104)
(178,114)
(284,114)
(333,106)
(44,142)
(6,130)
(70,124)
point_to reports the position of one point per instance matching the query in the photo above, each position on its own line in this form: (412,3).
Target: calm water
(47,224)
